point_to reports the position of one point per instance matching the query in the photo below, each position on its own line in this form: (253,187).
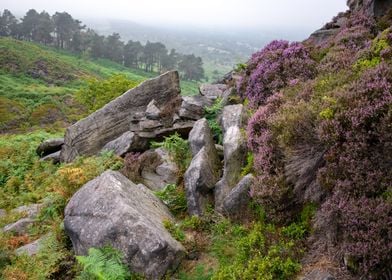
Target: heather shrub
(359,136)
(362,232)
(357,170)
(273,68)
(270,188)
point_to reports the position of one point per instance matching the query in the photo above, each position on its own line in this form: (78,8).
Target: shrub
(178,149)
(211,114)
(359,136)
(174,197)
(99,92)
(257,252)
(273,68)
(105,263)
(357,170)
(364,232)
(41,266)
(175,230)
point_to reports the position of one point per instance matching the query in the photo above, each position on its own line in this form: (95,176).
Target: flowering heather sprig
(260,137)
(273,68)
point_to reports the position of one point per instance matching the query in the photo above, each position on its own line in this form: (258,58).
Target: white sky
(204,13)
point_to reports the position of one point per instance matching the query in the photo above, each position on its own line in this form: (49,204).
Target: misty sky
(309,14)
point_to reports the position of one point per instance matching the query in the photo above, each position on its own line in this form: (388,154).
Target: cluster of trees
(64,32)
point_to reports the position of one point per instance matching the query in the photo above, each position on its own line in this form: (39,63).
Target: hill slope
(37,81)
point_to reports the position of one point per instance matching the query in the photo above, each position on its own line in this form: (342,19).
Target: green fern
(178,149)
(211,113)
(103,264)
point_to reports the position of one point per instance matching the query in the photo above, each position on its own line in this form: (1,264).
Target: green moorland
(38,85)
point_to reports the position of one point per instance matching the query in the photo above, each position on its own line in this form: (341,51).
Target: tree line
(62,31)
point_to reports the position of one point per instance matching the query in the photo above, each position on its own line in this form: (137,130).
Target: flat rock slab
(53,157)
(32,248)
(192,107)
(111,210)
(89,135)
(50,146)
(213,91)
(20,227)
(127,142)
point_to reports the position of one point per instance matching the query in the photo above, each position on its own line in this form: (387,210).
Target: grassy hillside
(37,84)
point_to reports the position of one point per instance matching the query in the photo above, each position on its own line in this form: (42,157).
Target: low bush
(100,92)
(178,149)
(174,198)
(211,113)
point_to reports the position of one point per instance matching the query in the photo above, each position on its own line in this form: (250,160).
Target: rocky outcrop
(192,107)
(371,8)
(88,136)
(234,144)
(301,171)
(204,170)
(158,170)
(21,226)
(31,210)
(32,248)
(199,180)
(54,157)
(3,213)
(200,136)
(111,210)
(127,142)
(50,146)
(213,91)
(238,199)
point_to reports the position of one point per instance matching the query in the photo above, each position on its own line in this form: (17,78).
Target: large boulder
(199,181)
(89,135)
(111,210)
(200,136)
(236,202)
(235,151)
(49,146)
(204,170)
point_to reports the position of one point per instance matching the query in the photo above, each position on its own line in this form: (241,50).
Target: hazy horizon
(303,15)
